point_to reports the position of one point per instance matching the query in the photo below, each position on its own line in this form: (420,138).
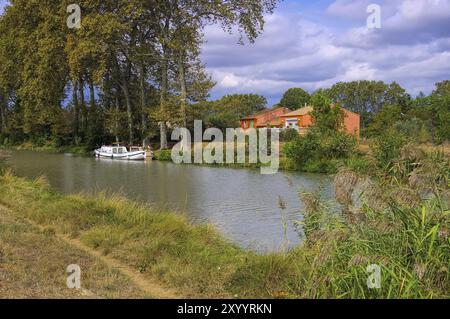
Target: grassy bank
(285,163)
(24,273)
(51,148)
(410,243)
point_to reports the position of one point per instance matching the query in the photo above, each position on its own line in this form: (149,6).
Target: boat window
(115,151)
(122,150)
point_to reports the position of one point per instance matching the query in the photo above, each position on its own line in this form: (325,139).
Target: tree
(295,98)
(325,142)
(440,106)
(231,108)
(326,116)
(385,119)
(367,97)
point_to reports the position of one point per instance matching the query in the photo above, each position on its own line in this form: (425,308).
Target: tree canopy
(295,98)
(132,69)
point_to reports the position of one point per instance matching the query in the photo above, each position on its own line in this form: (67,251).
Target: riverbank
(51,148)
(196,261)
(24,273)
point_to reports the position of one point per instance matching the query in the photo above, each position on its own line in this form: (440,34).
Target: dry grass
(33,264)
(409,243)
(365,147)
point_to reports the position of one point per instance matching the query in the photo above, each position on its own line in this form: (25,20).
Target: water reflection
(243,204)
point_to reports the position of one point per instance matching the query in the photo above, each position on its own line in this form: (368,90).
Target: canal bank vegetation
(134,73)
(396,218)
(326,147)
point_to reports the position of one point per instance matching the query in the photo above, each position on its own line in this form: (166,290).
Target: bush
(359,165)
(413,129)
(288,135)
(164,155)
(3,158)
(387,148)
(320,152)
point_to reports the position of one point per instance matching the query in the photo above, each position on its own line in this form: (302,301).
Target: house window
(292,123)
(251,124)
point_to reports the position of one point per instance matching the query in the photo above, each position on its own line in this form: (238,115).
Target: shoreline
(196,261)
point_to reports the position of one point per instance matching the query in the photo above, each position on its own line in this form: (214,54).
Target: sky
(314,44)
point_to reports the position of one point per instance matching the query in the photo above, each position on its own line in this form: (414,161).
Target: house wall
(351,122)
(245,124)
(304,121)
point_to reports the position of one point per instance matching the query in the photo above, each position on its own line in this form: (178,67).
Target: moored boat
(121,153)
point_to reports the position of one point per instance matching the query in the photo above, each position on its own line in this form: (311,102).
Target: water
(242,204)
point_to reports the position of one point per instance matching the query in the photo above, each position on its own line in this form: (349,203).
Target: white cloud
(412,48)
(229,81)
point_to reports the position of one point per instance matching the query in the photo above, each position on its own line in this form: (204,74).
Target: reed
(398,220)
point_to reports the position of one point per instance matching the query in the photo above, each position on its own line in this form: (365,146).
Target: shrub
(164,155)
(288,135)
(3,158)
(387,148)
(359,165)
(319,152)
(413,129)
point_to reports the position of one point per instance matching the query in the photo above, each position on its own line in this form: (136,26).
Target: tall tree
(295,98)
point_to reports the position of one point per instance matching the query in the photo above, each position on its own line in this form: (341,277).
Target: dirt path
(150,287)
(147,285)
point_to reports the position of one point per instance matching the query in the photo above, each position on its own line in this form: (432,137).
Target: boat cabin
(114,150)
(136,149)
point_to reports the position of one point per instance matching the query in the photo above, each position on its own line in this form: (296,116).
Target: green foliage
(122,54)
(387,148)
(440,100)
(319,152)
(367,98)
(385,119)
(325,143)
(288,135)
(295,98)
(3,160)
(226,112)
(414,130)
(326,117)
(163,155)
(223,121)
(359,164)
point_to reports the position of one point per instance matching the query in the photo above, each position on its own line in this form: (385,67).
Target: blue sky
(314,44)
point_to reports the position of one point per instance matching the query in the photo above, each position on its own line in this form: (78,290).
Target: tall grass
(397,219)
(4,156)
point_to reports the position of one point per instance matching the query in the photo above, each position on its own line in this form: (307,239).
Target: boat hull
(131,156)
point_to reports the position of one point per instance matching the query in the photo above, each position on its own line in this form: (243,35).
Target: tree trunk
(163,132)
(3,126)
(92,96)
(84,115)
(163,99)
(116,120)
(76,109)
(183,89)
(126,94)
(143,104)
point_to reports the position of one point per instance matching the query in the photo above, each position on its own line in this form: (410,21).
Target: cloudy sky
(314,44)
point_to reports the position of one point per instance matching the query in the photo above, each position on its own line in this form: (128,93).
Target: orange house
(302,120)
(265,118)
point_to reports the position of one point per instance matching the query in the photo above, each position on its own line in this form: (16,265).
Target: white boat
(121,153)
